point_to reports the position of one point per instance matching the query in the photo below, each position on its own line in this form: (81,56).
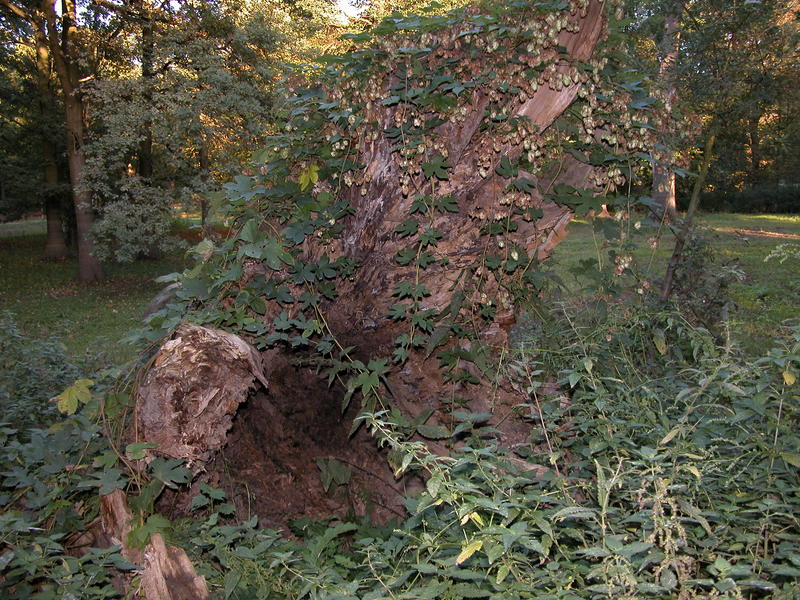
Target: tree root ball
(272,447)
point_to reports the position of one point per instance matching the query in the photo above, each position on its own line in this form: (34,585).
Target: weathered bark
(663,176)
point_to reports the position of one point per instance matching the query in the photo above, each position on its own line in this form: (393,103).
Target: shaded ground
(88,318)
(280,446)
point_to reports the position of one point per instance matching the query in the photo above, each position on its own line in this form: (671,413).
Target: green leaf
(659,341)
(138,450)
(309,177)
(76,394)
(170,472)
(107,481)
(791,458)
(250,232)
(574,512)
(506,168)
(407,228)
(433,432)
(436,168)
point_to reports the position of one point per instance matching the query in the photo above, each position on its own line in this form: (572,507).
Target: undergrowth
(667,467)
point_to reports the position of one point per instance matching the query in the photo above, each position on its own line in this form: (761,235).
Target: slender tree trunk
(686,226)
(755,148)
(62,47)
(663,177)
(148,74)
(89,268)
(55,247)
(205,165)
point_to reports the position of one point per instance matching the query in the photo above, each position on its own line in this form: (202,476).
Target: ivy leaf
(275,255)
(429,237)
(447,204)
(297,231)
(140,536)
(420,204)
(250,232)
(107,481)
(406,256)
(506,168)
(397,312)
(407,228)
(309,177)
(405,289)
(138,450)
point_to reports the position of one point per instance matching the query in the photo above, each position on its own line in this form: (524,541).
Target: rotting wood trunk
(282,435)
(360,317)
(167,573)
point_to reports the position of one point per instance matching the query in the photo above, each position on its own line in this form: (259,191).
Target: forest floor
(91,318)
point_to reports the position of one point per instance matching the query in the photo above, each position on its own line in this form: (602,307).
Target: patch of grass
(768,295)
(88,318)
(27,227)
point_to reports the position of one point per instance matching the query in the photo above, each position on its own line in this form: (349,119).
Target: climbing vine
(423,151)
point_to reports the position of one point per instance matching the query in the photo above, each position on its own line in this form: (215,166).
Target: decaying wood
(188,397)
(167,573)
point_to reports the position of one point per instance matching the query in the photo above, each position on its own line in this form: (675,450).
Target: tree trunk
(686,226)
(205,167)
(663,176)
(62,47)
(755,148)
(458,283)
(148,75)
(55,247)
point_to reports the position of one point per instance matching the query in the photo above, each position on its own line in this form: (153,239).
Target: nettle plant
(401,212)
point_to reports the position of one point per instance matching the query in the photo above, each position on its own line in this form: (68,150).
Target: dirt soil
(268,467)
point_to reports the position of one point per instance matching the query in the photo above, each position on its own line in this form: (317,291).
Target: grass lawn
(49,302)
(91,318)
(768,295)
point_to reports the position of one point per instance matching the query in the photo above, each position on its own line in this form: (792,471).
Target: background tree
(30,149)
(61,30)
(171,132)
